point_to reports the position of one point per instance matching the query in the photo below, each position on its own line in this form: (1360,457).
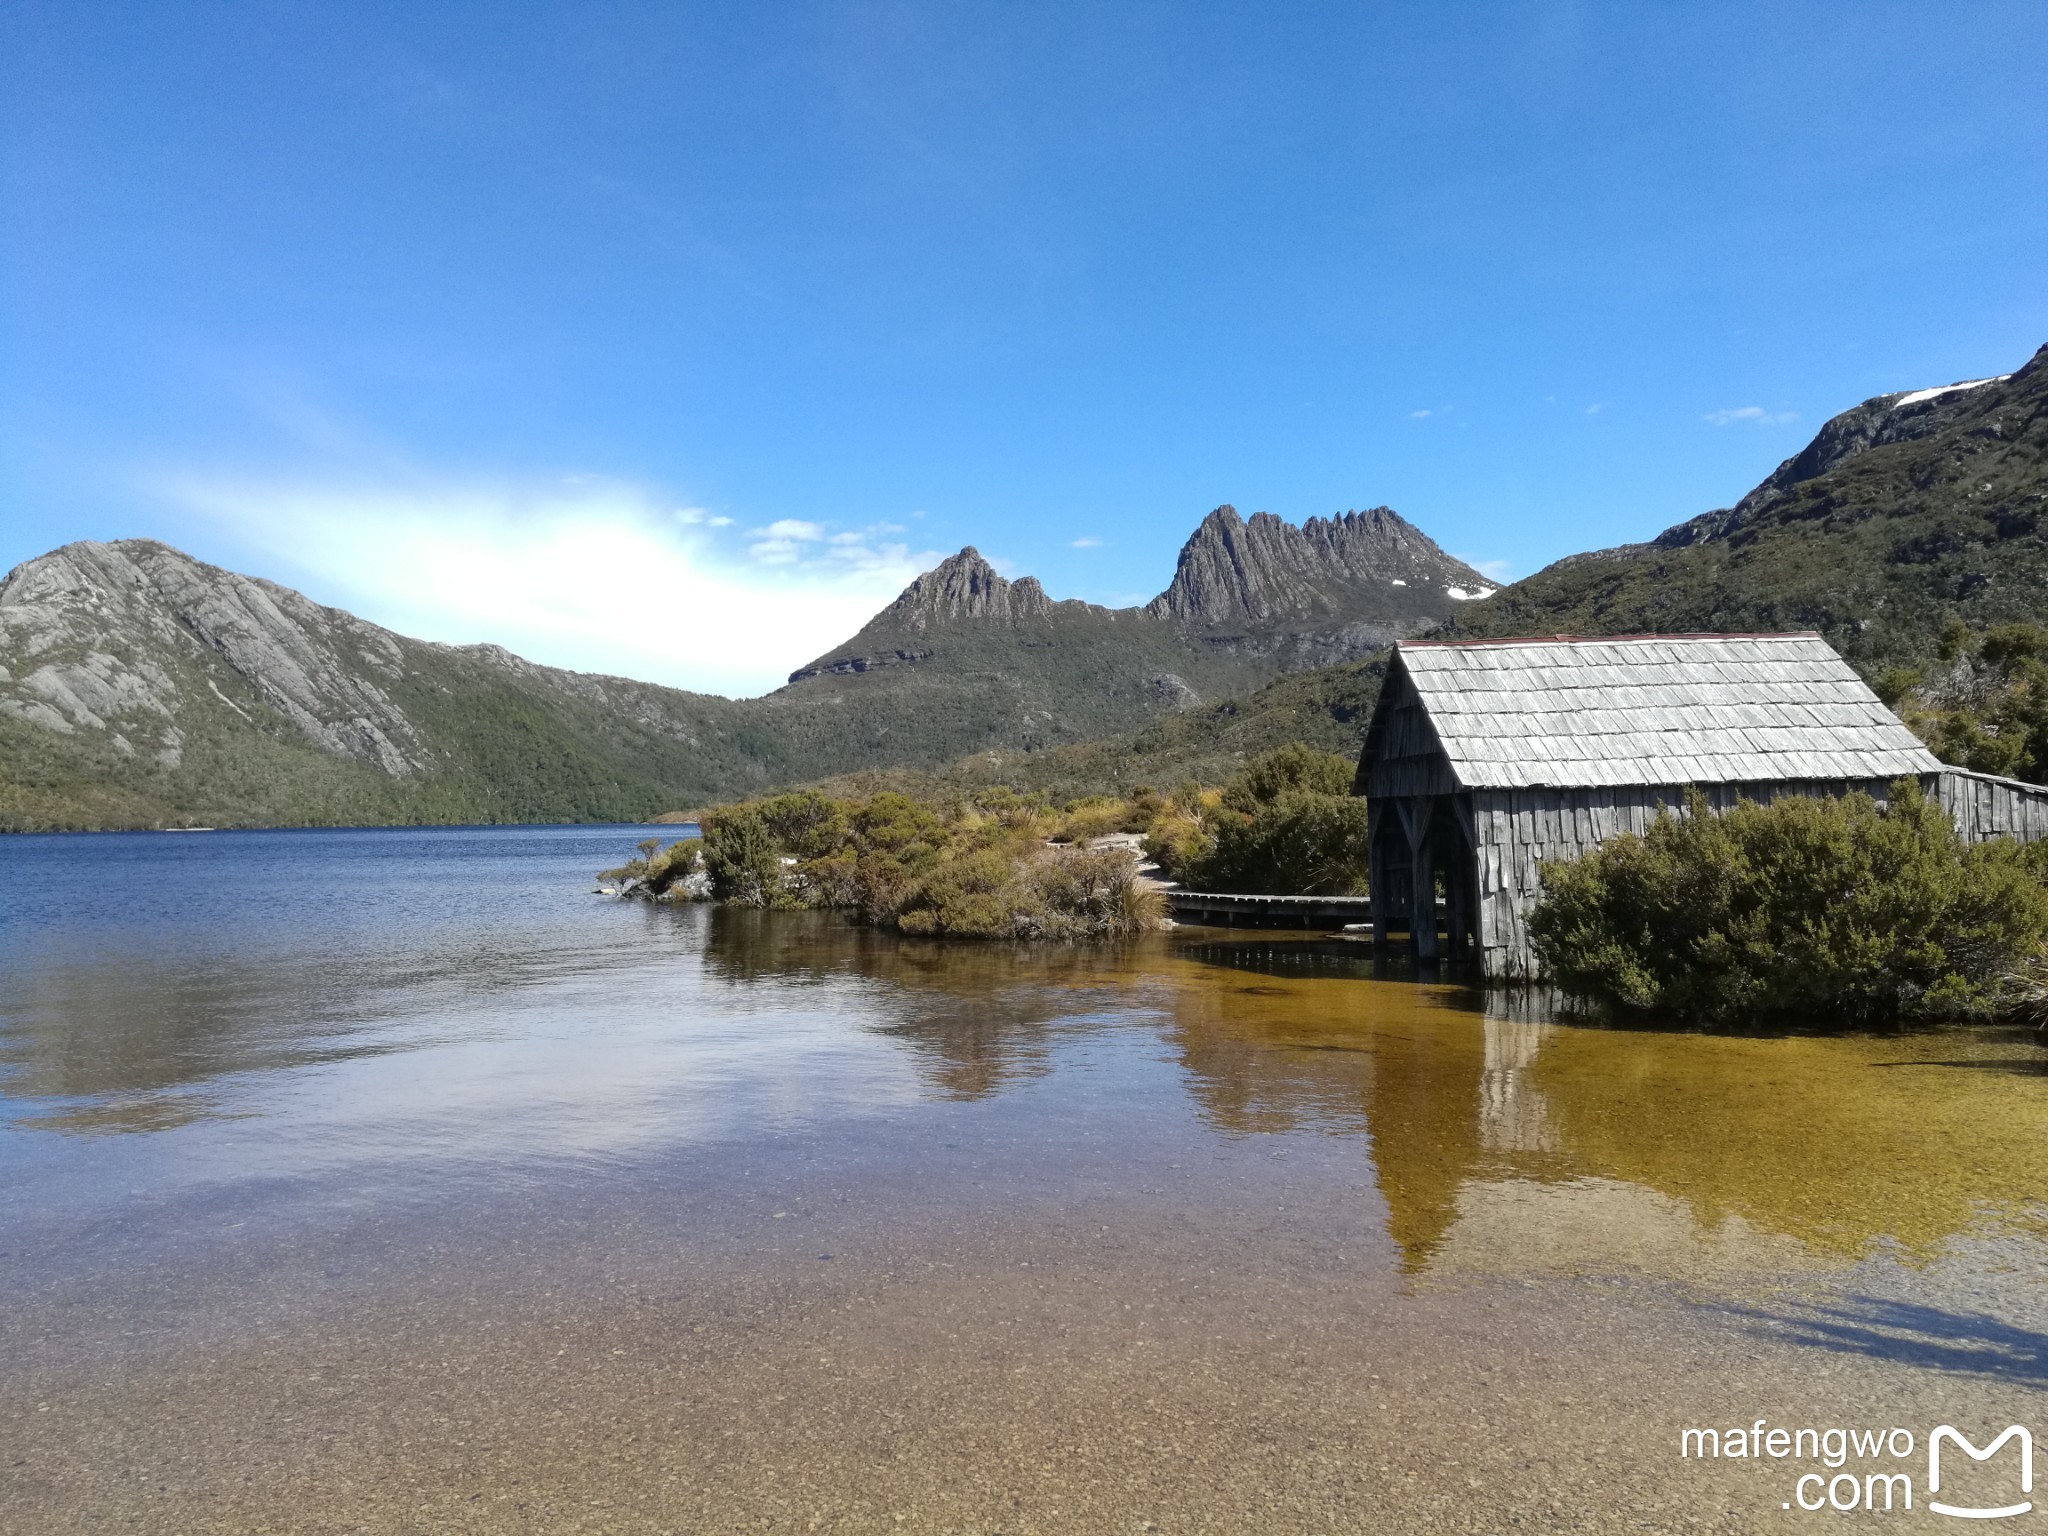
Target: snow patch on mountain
(1947,389)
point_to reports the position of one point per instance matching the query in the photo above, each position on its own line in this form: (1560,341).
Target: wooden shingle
(1656,710)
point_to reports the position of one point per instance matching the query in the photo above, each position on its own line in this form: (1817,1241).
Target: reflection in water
(397,1011)
(977,1017)
(1502,1140)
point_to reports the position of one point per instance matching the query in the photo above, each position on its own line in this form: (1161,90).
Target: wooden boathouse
(1485,760)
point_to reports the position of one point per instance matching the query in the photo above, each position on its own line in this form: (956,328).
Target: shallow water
(393,1180)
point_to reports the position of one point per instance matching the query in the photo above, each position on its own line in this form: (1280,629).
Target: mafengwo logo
(1964,1478)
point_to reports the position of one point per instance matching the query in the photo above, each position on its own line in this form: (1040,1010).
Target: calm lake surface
(393,1181)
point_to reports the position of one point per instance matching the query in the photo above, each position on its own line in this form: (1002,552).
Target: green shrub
(1292,769)
(804,824)
(1823,911)
(977,897)
(741,856)
(910,832)
(1301,844)
(1068,895)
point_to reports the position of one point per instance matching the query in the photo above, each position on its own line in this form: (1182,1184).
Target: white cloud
(1597,408)
(1750,415)
(1087,541)
(595,576)
(1423,415)
(1493,570)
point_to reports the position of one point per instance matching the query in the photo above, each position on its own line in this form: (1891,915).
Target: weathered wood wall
(1521,830)
(1984,807)
(1402,754)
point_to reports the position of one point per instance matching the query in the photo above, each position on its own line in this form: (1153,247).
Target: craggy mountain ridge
(139,686)
(1233,574)
(966,660)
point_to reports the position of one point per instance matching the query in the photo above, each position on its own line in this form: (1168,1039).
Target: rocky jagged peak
(965,586)
(1235,571)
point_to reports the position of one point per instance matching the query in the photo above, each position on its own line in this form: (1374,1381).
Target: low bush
(977,868)
(1822,911)
(744,859)
(1292,769)
(1287,825)
(1096,816)
(1301,844)
(1179,840)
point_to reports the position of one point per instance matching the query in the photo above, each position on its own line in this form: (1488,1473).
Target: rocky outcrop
(1265,571)
(966,586)
(963,589)
(123,638)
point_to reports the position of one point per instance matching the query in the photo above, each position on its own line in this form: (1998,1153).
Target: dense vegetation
(1286,825)
(1983,702)
(995,865)
(1806,911)
(1326,709)
(994,862)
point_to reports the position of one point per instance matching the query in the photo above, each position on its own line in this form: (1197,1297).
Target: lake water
(393,1181)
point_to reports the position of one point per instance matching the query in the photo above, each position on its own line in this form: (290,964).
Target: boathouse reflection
(1503,1140)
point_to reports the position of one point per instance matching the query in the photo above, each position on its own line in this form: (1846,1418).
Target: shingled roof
(1656,709)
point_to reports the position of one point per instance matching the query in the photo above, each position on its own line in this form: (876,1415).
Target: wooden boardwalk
(1211,909)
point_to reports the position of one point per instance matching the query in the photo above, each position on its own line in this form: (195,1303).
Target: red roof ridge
(1778,634)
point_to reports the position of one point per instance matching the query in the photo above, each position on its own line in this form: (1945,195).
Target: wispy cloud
(782,541)
(1422,415)
(585,573)
(1750,415)
(693,516)
(1087,541)
(1492,570)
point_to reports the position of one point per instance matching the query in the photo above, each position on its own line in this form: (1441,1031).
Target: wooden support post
(1376,872)
(1422,874)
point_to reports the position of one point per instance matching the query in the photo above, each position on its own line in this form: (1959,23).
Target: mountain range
(140,687)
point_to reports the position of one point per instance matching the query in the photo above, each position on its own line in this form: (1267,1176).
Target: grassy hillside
(1327,709)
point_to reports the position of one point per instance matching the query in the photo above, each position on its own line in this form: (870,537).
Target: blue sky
(671,339)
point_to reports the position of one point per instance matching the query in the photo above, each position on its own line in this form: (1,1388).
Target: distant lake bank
(389,1177)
